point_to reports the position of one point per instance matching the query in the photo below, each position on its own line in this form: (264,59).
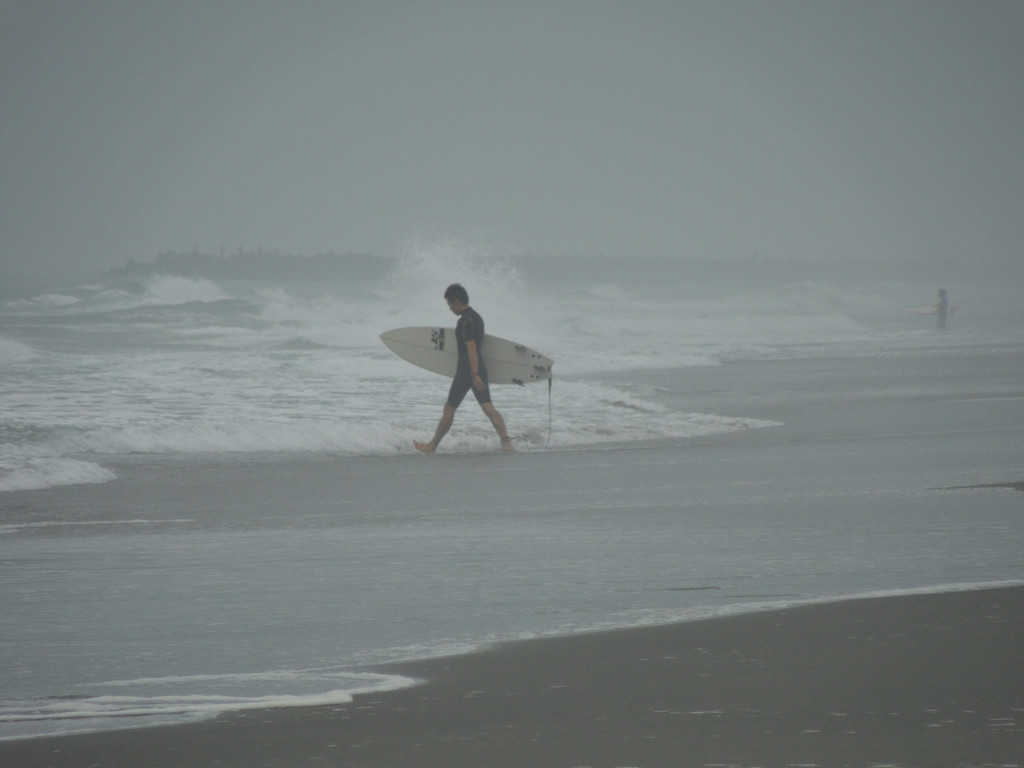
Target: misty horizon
(873,132)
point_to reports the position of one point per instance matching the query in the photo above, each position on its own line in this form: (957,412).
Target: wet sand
(923,680)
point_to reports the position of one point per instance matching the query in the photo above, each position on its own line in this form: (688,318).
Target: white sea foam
(32,474)
(165,290)
(14,351)
(181,290)
(186,698)
(172,366)
(49,300)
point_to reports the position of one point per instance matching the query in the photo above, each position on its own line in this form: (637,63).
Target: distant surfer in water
(470,374)
(941,310)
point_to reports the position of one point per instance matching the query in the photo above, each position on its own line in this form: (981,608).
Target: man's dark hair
(455,292)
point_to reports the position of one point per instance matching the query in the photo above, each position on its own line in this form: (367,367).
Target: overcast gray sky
(874,130)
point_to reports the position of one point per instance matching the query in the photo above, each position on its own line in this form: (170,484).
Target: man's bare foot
(423,447)
(506,444)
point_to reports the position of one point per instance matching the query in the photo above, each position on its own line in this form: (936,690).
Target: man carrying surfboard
(470,373)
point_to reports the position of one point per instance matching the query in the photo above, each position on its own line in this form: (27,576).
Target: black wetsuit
(469,328)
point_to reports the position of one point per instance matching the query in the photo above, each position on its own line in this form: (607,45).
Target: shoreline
(390,670)
(915,679)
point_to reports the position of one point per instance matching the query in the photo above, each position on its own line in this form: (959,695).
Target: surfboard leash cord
(524,438)
(550,380)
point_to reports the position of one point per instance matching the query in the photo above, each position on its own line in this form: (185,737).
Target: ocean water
(180,366)
(209,500)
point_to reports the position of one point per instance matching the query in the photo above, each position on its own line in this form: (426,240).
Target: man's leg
(447,417)
(499,425)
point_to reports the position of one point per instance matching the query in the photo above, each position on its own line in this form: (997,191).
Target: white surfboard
(436,350)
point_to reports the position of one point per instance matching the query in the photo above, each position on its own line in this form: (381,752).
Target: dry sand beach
(928,680)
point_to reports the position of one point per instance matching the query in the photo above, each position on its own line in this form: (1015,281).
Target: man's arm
(474,364)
